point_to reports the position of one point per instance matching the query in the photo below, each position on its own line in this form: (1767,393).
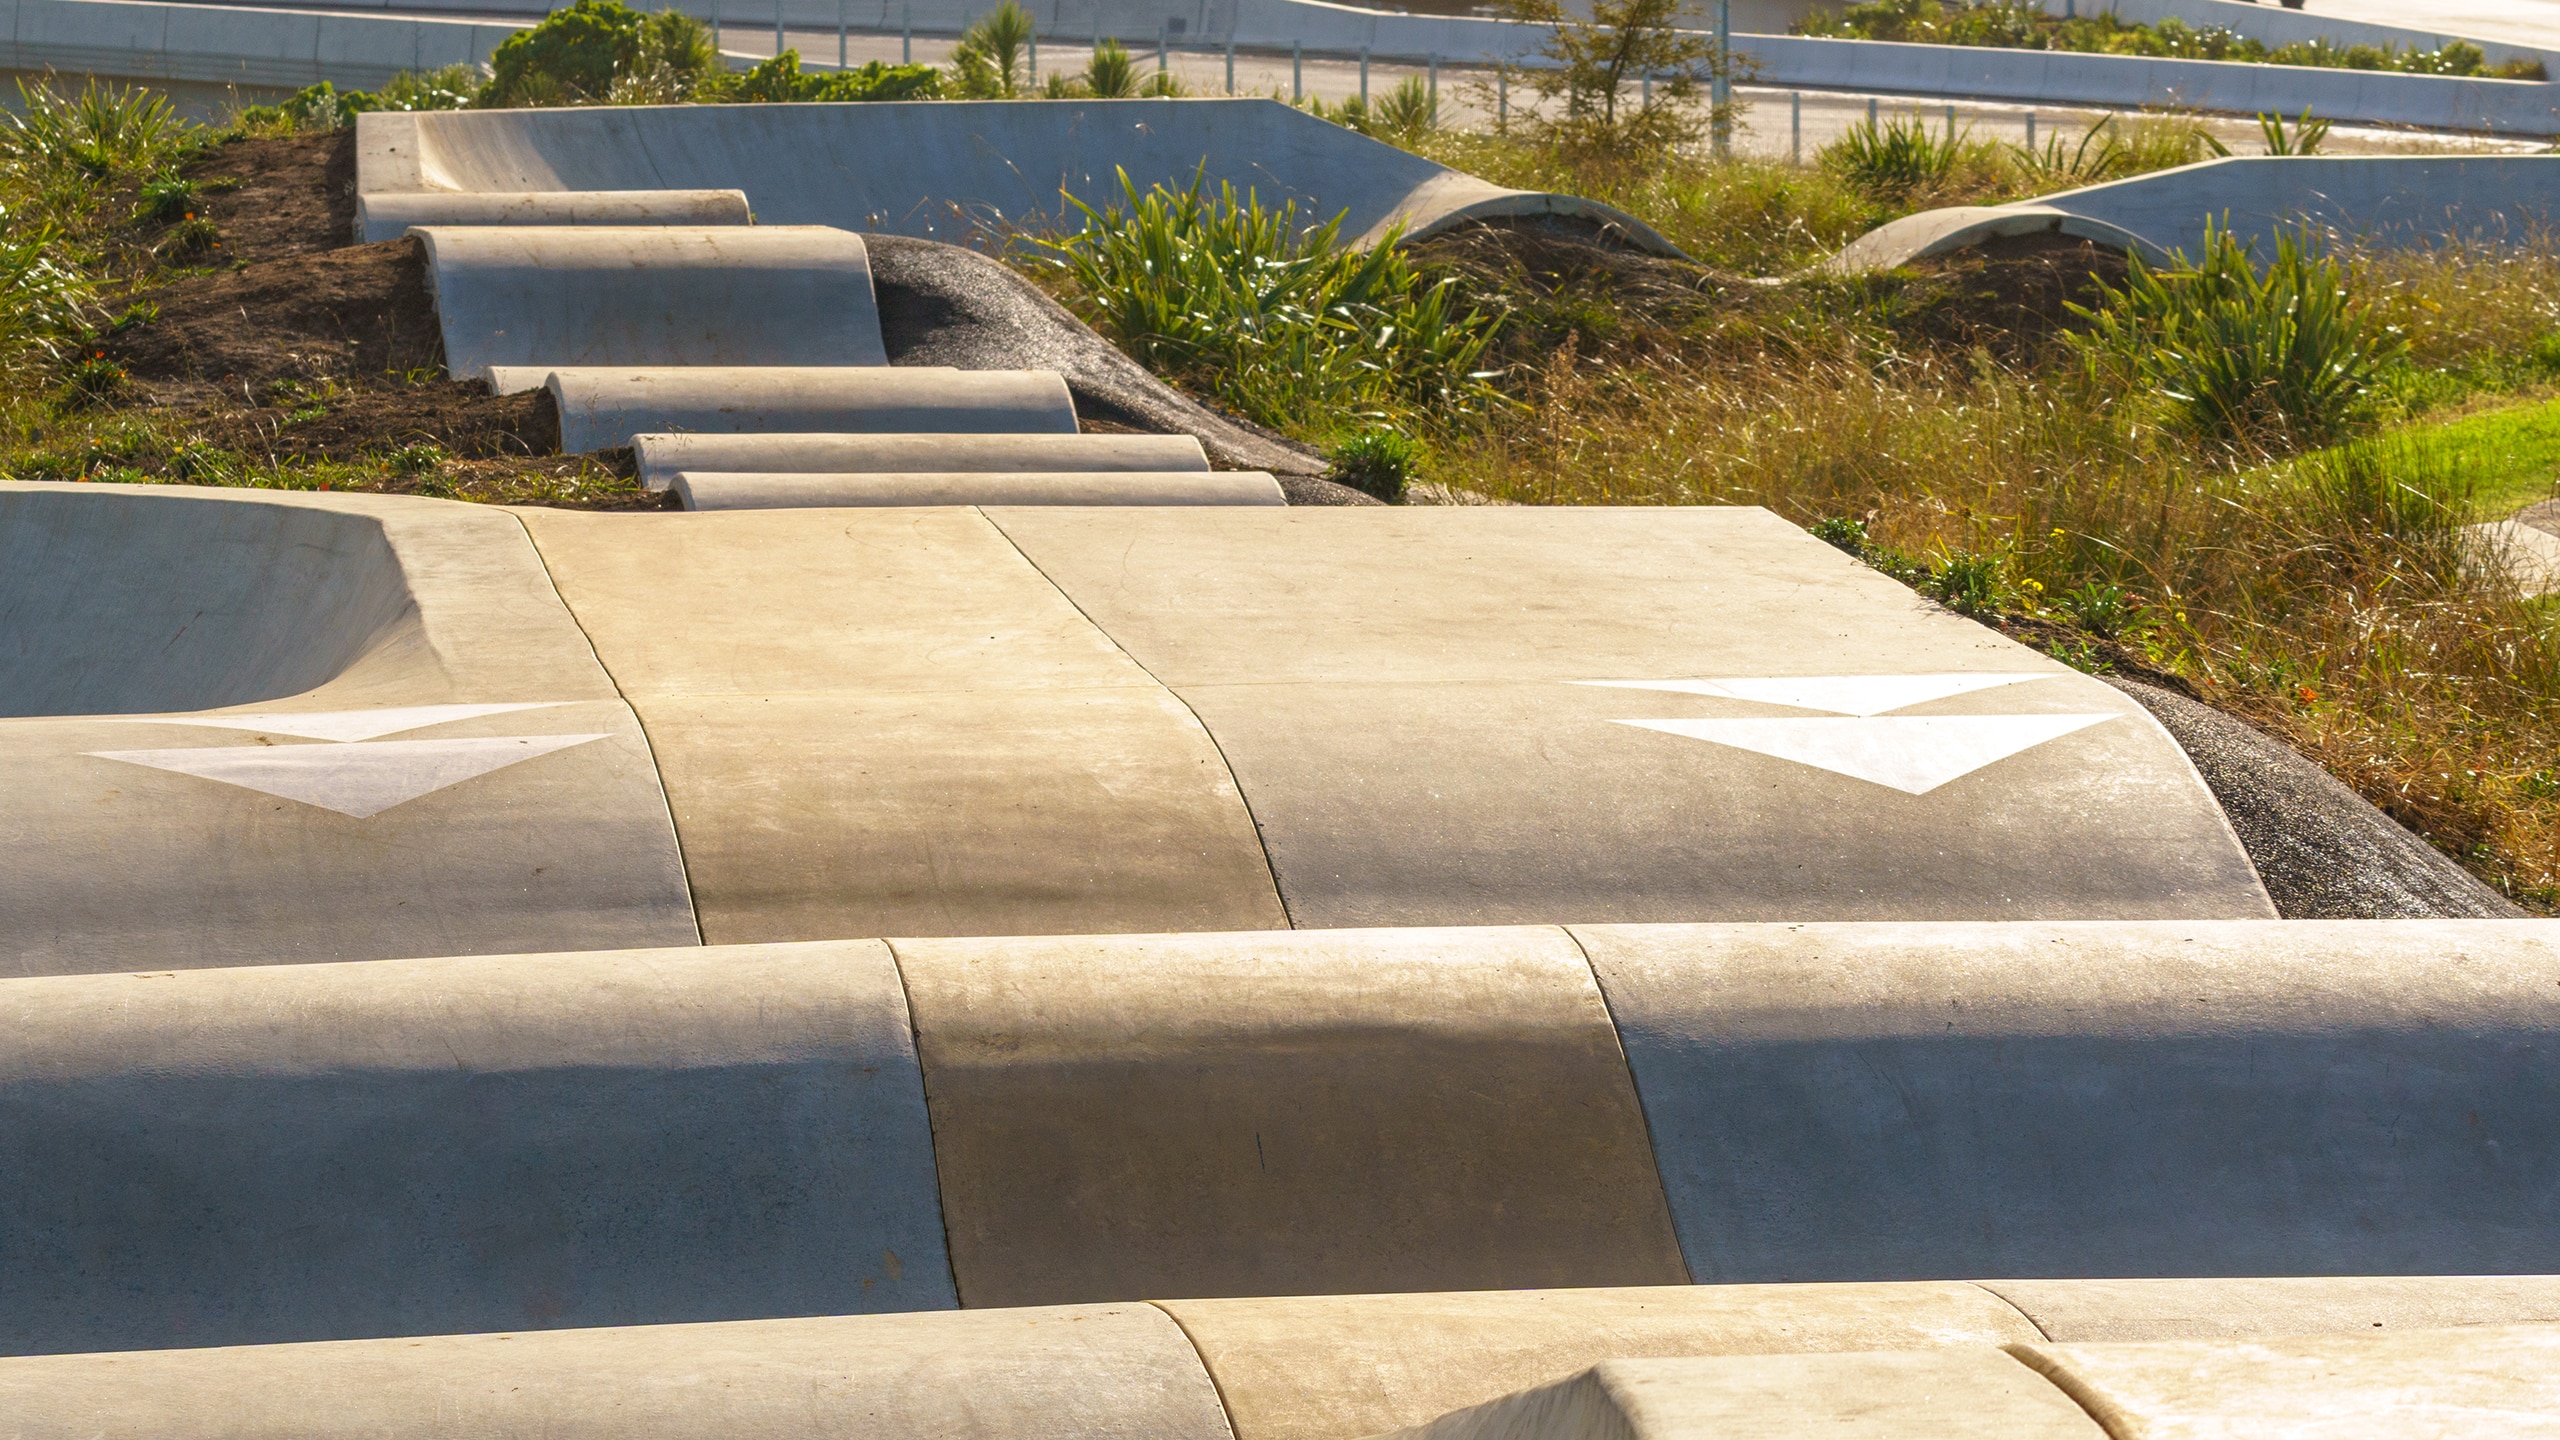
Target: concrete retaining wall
(230,1156)
(2381,200)
(128,40)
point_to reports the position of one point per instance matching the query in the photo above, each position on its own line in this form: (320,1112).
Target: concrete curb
(661,457)
(734,490)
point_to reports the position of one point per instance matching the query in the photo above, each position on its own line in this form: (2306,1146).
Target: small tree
(991,60)
(1597,62)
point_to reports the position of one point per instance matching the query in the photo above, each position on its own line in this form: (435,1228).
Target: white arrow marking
(341,724)
(1914,754)
(1839,694)
(358,780)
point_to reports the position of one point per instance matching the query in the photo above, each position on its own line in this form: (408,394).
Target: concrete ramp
(662,295)
(661,457)
(607,405)
(941,169)
(275,1153)
(253,726)
(731,490)
(2386,200)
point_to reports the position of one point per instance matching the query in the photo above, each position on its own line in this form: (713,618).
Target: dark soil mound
(296,194)
(2010,296)
(354,314)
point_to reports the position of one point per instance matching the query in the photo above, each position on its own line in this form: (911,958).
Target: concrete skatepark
(978,926)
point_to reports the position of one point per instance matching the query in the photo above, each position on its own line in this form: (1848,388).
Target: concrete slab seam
(1986,1288)
(640,722)
(1259,839)
(1218,1387)
(1652,1147)
(2102,1412)
(924,1082)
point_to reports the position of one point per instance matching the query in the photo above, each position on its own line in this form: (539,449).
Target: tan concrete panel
(1948,1395)
(988,812)
(2392,1385)
(1099,1372)
(1322,1367)
(2135,1310)
(888,721)
(1281,1114)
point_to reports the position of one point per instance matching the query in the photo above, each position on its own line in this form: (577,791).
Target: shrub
(572,56)
(194,238)
(2279,357)
(1270,313)
(166,198)
(103,130)
(1377,462)
(1593,62)
(990,60)
(781,79)
(90,381)
(1894,160)
(2103,610)
(2304,139)
(1110,74)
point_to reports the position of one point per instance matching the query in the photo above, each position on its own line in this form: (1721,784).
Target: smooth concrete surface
(2363,199)
(255,727)
(2073,1311)
(1499,715)
(733,490)
(946,169)
(1969,1394)
(661,457)
(607,405)
(1200,1115)
(2315,1097)
(1093,1372)
(1326,1366)
(2399,1385)
(2528,553)
(881,722)
(650,295)
(404,1147)
(390,216)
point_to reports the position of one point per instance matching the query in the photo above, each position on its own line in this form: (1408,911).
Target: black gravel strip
(2324,852)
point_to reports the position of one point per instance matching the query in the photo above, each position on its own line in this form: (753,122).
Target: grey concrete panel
(1942,1395)
(261,727)
(733,490)
(939,169)
(1284,1113)
(2437,1384)
(662,456)
(1425,709)
(399,1147)
(888,722)
(2304,1098)
(602,405)
(391,215)
(2073,1311)
(1326,1366)
(2371,199)
(1091,1372)
(651,295)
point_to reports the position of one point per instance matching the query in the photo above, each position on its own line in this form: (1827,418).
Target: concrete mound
(661,457)
(1319,1368)
(548,1141)
(651,295)
(2388,200)
(608,405)
(945,169)
(259,727)
(731,490)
